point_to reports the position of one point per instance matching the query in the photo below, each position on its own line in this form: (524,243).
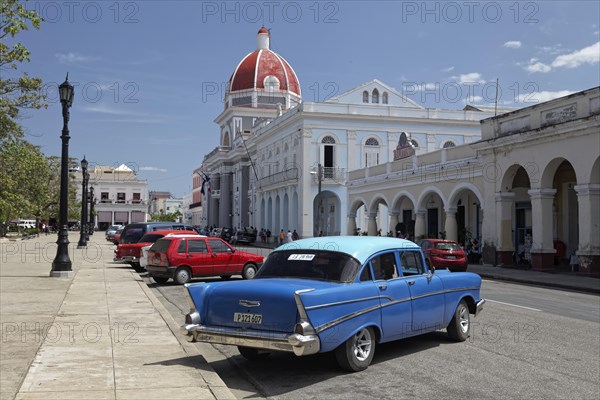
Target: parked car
(243,236)
(182,258)
(144,256)
(343,294)
(226,234)
(131,252)
(110,232)
(116,238)
(441,253)
(134,232)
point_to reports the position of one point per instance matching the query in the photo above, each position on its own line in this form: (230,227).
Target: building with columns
(282,163)
(529,190)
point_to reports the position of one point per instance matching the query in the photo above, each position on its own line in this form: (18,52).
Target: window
(449,144)
(121,197)
(384,266)
(384,98)
(411,263)
(375,96)
(104,197)
(136,198)
(371,142)
(371,155)
(328,140)
(413,143)
(365,97)
(181,247)
(219,247)
(197,246)
(271,83)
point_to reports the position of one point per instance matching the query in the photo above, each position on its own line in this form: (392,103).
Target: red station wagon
(131,252)
(184,257)
(440,253)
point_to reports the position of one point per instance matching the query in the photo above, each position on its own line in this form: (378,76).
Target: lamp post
(84,202)
(92,202)
(61,266)
(319,173)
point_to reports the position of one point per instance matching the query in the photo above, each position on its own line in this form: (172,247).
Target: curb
(213,381)
(563,286)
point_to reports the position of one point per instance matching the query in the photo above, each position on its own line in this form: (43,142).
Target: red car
(184,257)
(441,253)
(131,252)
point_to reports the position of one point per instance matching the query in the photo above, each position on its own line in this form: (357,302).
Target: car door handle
(382,287)
(411,282)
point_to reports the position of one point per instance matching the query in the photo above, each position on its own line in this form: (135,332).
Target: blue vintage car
(342,294)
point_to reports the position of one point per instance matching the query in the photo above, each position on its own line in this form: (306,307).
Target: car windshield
(150,238)
(161,246)
(447,246)
(310,264)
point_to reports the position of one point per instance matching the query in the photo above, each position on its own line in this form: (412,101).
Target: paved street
(530,342)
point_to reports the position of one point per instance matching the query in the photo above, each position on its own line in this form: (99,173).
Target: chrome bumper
(479,306)
(300,345)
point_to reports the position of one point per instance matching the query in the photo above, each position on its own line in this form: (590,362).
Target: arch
(456,191)
(277,219)
(595,172)
(270,214)
(371,142)
(421,205)
(356,204)
(550,170)
(512,172)
(379,199)
(328,139)
(448,143)
(399,197)
(375,96)
(294,211)
(286,212)
(326,213)
(384,98)
(226,139)
(262,213)
(365,97)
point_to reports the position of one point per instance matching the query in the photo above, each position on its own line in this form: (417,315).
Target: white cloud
(448,69)
(535,65)
(513,44)
(154,169)
(540,97)
(469,79)
(587,55)
(71,57)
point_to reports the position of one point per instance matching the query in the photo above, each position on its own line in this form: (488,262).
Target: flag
(205,184)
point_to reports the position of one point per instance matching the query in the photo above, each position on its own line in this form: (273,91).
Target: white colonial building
(283,163)
(529,190)
(120,197)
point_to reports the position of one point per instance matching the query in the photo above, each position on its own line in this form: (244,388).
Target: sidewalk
(101,334)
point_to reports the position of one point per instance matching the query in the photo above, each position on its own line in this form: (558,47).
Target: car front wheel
(356,353)
(249,271)
(459,328)
(182,276)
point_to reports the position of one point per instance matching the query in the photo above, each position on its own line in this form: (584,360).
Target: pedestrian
(294,235)
(281,236)
(289,236)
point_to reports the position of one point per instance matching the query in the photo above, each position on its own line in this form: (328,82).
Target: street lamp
(61,266)
(92,202)
(84,202)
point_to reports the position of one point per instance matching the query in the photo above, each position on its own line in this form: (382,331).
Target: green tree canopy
(17,92)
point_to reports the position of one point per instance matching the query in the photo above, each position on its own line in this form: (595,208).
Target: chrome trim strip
(345,318)
(300,305)
(338,303)
(479,307)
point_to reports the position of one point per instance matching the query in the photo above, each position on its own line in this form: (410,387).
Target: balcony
(278,178)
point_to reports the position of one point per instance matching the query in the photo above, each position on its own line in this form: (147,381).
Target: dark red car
(441,254)
(131,252)
(184,257)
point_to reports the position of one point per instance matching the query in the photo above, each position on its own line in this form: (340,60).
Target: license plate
(247,318)
(451,257)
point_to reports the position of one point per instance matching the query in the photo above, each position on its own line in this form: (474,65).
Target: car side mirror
(432,269)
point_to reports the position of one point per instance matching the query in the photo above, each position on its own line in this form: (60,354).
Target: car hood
(272,298)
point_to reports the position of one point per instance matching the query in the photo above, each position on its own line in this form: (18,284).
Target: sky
(149,76)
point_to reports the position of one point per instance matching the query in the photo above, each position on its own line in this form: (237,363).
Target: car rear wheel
(252,354)
(249,271)
(160,279)
(356,353)
(182,275)
(459,328)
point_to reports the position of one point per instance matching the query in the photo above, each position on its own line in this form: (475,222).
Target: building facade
(283,163)
(529,190)
(120,197)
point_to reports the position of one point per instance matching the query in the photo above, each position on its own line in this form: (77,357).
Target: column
(542,248)
(225,204)
(372,226)
(419,224)
(351,224)
(450,225)
(393,222)
(504,223)
(588,251)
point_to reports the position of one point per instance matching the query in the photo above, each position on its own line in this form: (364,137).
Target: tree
(169,217)
(16,92)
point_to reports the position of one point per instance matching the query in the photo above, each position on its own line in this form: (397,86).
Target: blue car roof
(359,247)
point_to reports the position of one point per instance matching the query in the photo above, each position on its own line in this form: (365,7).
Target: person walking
(281,236)
(289,236)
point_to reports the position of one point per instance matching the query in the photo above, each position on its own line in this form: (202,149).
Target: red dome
(252,71)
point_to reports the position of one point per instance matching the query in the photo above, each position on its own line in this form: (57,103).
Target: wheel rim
(250,272)
(362,345)
(183,275)
(463,319)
